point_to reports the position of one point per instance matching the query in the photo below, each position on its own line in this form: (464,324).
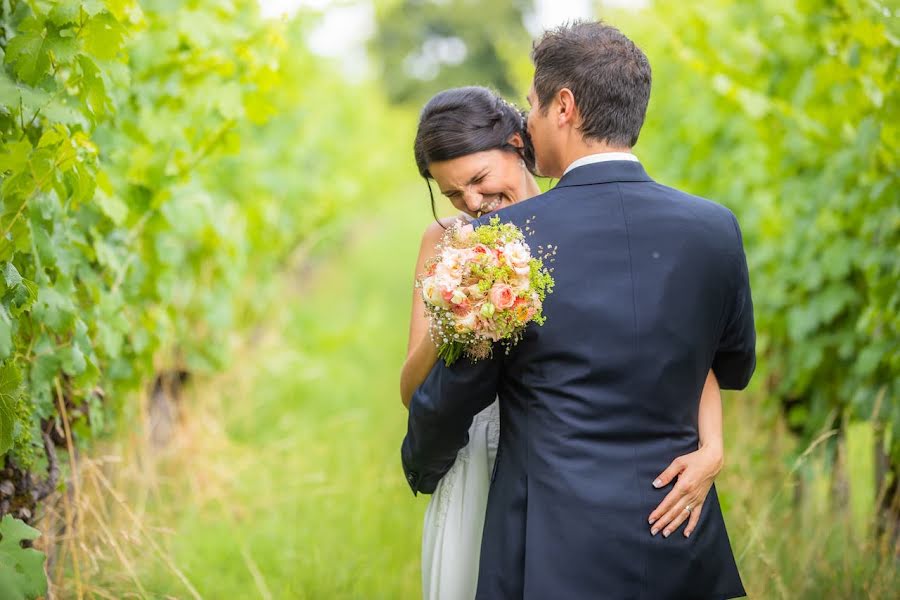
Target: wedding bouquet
(484,286)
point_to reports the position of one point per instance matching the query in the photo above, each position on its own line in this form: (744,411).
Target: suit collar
(604,172)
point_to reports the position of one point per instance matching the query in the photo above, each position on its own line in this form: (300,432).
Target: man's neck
(582,149)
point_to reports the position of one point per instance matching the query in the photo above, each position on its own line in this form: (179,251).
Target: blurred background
(209,218)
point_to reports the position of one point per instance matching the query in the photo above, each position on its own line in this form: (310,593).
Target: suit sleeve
(440,414)
(735,358)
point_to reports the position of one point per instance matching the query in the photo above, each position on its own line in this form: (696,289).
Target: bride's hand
(695,474)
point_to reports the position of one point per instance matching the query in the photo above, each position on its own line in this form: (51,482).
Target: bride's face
(482,182)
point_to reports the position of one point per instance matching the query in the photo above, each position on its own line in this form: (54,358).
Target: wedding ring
(688,508)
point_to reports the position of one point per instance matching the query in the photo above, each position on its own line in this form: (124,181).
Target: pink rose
(502,296)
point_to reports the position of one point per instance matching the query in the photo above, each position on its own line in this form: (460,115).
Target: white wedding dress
(454,520)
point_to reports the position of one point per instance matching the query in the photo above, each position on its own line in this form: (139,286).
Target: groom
(651,292)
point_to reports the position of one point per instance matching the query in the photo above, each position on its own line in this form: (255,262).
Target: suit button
(410,477)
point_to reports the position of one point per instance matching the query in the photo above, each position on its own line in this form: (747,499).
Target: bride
(475,147)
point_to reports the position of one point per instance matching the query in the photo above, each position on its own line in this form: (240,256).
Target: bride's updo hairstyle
(466,120)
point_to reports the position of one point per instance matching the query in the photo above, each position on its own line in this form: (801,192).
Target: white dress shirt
(602,157)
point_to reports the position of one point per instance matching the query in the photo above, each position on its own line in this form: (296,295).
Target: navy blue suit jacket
(651,292)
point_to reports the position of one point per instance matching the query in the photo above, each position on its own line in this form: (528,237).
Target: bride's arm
(421,353)
(696,471)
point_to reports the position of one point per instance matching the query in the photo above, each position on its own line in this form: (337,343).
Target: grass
(283,479)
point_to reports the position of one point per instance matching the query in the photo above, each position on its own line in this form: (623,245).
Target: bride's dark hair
(466,120)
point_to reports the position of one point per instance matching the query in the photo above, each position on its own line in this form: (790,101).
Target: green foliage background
(158,164)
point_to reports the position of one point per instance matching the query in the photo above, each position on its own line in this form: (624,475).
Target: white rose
(446,282)
(519,257)
(448,271)
(467,323)
(522,283)
(432,293)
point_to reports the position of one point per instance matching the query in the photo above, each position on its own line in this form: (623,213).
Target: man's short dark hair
(608,75)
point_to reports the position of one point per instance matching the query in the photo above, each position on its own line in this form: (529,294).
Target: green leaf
(73,362)
(64,13)
(43,370)
(28,53)
(112,206)
(55,309)
(10,385)
(15,156)
(104,36)
(11,275)
(94,87)
(21,569)
(21,293)
(6,327)
(15,95)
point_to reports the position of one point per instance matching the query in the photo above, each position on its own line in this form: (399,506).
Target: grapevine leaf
(21,293)
(31,50)
(18,239)
(13,93)
(43,370)
(10,385)
(15,156)
(55,309)
(61,44)
(64,13)
(21,569)
(92,7)
(5,334)
(94,87)
(9,91)
(11,275)
(73,362)
(27,52)
(112,206)
(104,36)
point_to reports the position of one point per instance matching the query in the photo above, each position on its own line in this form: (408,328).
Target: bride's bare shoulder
(435,231)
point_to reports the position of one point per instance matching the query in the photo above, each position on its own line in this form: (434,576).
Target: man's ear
(566,111)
